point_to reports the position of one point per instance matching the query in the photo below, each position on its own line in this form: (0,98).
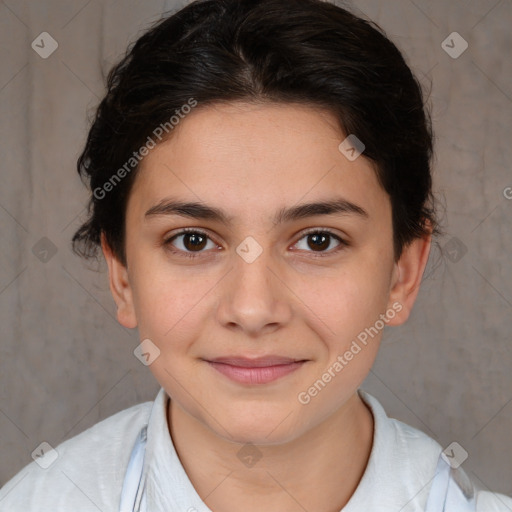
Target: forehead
(252,158)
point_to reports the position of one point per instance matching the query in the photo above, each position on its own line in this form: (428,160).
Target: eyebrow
(196,210)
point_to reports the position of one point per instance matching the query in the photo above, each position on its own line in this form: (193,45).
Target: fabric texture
(89,471)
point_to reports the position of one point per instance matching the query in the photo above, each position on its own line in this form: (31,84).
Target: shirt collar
(395,478)
(400,468)
(167,486)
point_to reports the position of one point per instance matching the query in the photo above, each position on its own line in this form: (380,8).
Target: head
(231,119)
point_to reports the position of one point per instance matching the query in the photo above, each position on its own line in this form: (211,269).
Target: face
(258,275)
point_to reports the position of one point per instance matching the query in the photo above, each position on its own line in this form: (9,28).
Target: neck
(319,470)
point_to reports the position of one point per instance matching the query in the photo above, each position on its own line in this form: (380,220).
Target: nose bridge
(252,271)
(254,297)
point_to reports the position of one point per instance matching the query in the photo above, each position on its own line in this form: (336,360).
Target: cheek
(174,305)
(171,314)
(168,308)
(348,301)
(351,328)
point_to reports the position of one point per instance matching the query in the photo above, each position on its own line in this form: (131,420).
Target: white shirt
(89,471)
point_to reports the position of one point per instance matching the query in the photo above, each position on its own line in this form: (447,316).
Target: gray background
(66,363)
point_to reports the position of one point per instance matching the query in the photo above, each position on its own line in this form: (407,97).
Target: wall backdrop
(66,363)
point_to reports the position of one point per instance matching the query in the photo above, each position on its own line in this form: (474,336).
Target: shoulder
(404,461)
(493,502)
(82,473)
(423,445)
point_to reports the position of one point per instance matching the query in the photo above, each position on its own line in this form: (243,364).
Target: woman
(261,190)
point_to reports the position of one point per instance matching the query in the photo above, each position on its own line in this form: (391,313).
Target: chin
(259,429)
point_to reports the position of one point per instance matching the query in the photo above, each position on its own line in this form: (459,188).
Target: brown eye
(320,240)
(188,242)
(194,241)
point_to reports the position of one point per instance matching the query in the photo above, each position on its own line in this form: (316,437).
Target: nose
(254,298)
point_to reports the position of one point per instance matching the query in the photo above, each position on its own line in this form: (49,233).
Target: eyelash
(188,254)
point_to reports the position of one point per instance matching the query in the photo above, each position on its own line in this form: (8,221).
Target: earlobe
(407,275)
(119,287)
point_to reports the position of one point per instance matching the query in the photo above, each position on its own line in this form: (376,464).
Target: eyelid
(319,229)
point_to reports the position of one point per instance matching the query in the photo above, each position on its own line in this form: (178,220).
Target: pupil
(195,244)
(323,245)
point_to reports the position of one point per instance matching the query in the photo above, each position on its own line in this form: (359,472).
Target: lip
(259,370)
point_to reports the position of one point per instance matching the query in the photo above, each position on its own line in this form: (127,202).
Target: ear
(119,287)
(406,279)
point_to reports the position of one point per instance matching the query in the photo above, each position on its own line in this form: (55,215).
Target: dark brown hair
(288,51)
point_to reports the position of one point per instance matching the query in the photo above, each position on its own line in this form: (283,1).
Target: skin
(252,160)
